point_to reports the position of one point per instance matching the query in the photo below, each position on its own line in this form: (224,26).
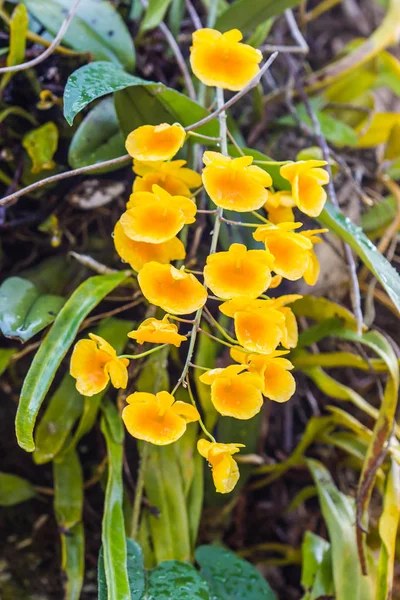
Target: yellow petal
(87,367)
(160,142)
(117,370)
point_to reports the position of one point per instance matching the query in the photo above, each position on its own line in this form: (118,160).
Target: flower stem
(213,247)
(139,490)
(142,354)
(193,401)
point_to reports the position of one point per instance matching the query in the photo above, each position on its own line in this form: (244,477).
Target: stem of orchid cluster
(214,241)
(139,490)
(193,401)
(142,354)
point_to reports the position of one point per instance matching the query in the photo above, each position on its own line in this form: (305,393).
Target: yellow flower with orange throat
(293,252)
(158,331)
(280,207)
(307,178)
(235,392)
(155,142)
(171,176)
(173,290)
(234,183)
(238,272)
(278,383)
(261,325)
(156,217)
(137,254)
(157,418)
(221,60)
(94,363)
(224,468)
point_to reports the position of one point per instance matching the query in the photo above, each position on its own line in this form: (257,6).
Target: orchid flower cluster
(162,203)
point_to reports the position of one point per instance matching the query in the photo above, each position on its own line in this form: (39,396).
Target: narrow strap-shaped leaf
(53,349)
(388,524)
(68,505)
(113,527)
(14,489)
(354,236)
(136,572)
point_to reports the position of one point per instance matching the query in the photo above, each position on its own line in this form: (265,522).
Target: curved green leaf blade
(65,406)
(96,28)
(137,101)
(353,235)
(68,506)
(97,138)
(113,526)
(230,577)
(93,81)
(23,310)
(339,514)
(155,13)
(18,30)
(53,349)
(246,16)
(136,572)
(14,489)
(177,580)
(388,525)
(6,355)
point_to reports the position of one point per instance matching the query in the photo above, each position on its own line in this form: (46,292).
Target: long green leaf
(18,31)
(135,568)
(335,221)
(68,506)
(339,514)
(113,527)
(65,406)
(155,13)
(246,16)
(316,568)
(53,349)
(388,525)
(14,489)
(96,28)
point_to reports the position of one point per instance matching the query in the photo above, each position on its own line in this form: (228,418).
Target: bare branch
(50,49)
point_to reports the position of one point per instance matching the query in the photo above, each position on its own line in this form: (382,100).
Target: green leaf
(68,506)
(96,28)
(135,568)
(5,357)
(353,235)
(14,489)
(316,569)
(97,138)
(73,561)
(18,31)
(388,525)
(155,13)
(379,215)
(53,349)
(68,490)
(317,332)
(65,406)
(177,580)
(23,310)
(230,577)
(335,131)
(113,526)
(93,81)
(321,309)
(41,145)
(246,16)
(338,511)
(137,101)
